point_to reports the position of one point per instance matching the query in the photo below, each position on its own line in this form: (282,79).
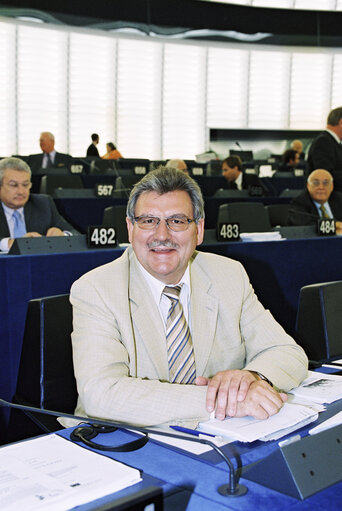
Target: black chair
(46,375)
(319,321)
(49,183)
(124,184)
(230,194)
(252,216)
(278,214)
(116,216)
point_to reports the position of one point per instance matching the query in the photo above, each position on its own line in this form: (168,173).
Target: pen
(190,431)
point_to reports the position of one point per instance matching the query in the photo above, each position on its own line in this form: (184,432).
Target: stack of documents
(247,429)
(320,388)
(261,236)
(53,473)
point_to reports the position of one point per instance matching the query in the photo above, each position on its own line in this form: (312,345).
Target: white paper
(329,423)
(261,236)
(320,388)
(248,429)
(52,473)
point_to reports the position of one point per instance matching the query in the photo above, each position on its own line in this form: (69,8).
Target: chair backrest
(251,216)
(230,194)
(126,182)
(46,374)
(278,214)
(50,182)
(116,215)
(319,321)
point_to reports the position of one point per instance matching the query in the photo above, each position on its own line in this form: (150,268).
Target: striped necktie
(178,338)
(324,212)
(19,225)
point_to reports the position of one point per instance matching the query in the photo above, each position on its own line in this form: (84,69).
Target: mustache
(161,243)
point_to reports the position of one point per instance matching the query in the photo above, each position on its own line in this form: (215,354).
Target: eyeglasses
(175,223)
(12,185)
(317,182)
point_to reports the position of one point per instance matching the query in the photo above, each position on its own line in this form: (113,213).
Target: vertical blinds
(152,98)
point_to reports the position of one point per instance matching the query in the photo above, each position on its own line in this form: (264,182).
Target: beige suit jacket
(119,343)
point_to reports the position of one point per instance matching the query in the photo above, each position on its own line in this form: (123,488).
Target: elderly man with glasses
(318,200)
(167,334)
(23,214)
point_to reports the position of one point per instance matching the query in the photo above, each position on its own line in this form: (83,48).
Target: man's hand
(54,231)
(237,393)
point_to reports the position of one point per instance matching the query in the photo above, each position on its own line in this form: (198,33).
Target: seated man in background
(290,160)
(49,158)
(232,172)
(319,200)
(92,149)
(178,164)
(23,214)
(165,333)
(297,145)
(112,152)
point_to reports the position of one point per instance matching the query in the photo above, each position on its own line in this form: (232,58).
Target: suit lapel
(204,311)
(4,230)
(147,322)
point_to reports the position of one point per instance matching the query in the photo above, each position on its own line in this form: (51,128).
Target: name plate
(104,190)
(76,169)
(197,171)
(99,236)
(228,231)
(140,170)
(326,227)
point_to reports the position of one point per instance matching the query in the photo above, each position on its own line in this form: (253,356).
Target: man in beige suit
(242,358)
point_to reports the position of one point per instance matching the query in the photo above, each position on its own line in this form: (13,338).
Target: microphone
(231,489)
(239,145)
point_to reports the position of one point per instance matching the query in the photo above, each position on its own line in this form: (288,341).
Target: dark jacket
(35,161)
(325,153)
(40,214)
(304,207)
(92,150)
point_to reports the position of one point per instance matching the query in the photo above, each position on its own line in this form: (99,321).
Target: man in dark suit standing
(22,214)
(326,150)
(319,200)
(92,149)
(49,158)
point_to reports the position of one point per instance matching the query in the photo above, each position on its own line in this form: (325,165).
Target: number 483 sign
(228,231)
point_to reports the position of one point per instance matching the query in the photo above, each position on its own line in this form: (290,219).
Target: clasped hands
(237,393)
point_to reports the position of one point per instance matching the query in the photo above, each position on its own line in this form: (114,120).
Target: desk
(277,270)
(200,476)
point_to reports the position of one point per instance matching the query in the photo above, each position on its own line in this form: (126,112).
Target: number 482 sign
(99,236)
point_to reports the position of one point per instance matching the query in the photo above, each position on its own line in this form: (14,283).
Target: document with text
(50,472)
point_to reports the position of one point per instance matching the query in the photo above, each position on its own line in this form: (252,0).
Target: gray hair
(49,134)
(164,180)
(14,164)
(335,116)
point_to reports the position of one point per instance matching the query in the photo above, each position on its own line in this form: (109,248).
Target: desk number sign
(228,231)
(99,236)
(103,190)
(326,227)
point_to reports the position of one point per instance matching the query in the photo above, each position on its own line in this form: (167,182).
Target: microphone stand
(230,489)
